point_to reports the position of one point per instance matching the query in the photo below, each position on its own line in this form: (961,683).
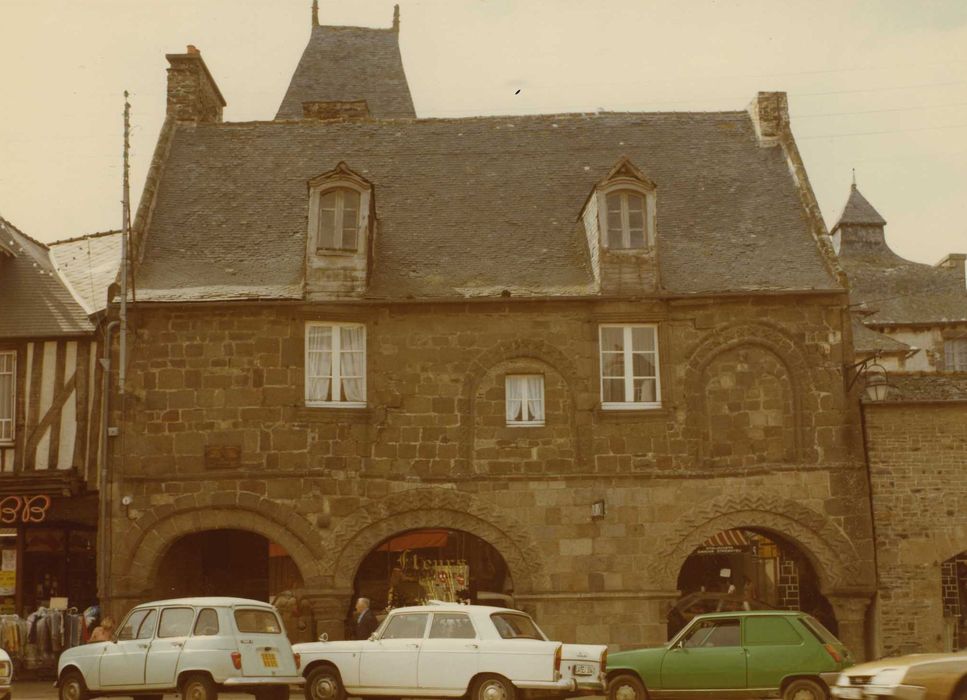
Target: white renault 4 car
(193,646)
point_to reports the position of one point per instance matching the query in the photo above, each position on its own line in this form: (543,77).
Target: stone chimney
(770,114)
(193,95)
(956,263)
(335,110)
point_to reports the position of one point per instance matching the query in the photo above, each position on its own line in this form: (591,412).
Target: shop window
(8,395)
(335,364)
(629,366)
(207,624)
(176,622)
(525,399)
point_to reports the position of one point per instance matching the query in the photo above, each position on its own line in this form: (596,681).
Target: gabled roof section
(343,64)
(340,172)
(858,211)
(473,207)
(34,301)
(89,265)
(625,169)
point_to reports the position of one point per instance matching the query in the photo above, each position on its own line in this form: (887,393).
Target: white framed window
(955,354)
(8,395)
(629,366)
(626,220)
(336,364)
(524,399)
(339,219)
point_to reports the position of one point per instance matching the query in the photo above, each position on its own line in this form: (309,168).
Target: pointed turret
(349,65)
(858,211)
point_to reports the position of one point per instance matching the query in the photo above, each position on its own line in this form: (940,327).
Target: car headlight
(889,677)
(4,669)
(843,679)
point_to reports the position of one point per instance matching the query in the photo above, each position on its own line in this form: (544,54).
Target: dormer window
(626,220)
(338,219)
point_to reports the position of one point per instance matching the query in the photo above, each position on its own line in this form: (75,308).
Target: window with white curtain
(335,364)
(626,220)
(629,366)
(8,394)
(339,219)
(955,354)
(525,399)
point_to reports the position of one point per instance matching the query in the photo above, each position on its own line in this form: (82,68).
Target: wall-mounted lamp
(597,510)
(876,382)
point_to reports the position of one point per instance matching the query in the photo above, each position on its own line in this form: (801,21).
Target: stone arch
(158,528)
(832,554)
(520,348)
(417,508)
(764,336)
(946,544)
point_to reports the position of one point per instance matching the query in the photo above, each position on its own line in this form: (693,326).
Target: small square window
(525,399)
(629,366)
(955,355)
(336,364)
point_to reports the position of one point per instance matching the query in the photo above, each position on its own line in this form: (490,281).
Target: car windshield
(252,621)
(515,626)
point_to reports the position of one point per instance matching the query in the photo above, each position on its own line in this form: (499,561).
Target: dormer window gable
(622,209)
(340,213)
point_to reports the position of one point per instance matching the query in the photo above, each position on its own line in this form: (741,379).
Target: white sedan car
(6,675)
(450,650)
(194,646)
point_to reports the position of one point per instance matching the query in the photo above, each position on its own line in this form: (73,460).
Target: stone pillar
(329,608)
(850,610)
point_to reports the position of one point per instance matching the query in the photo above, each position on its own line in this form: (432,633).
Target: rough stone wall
(216,435)
(917,455)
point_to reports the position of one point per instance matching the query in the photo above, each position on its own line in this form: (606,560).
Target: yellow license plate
(269,660)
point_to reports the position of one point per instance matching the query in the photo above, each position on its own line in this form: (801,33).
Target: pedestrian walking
(366,622)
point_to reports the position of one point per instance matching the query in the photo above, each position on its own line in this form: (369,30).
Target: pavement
(45,690)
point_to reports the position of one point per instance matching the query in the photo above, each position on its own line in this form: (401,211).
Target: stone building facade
(485,249)
(911,319)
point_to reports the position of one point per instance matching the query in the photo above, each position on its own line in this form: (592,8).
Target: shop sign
(24,509)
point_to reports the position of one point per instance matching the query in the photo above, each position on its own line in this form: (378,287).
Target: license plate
(849,693)
(583,670)
(269,660)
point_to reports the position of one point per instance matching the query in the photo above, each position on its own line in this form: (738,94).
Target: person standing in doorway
(366,622)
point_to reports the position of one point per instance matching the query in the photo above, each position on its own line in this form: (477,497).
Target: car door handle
(143,646)
(473,646)
(413,646)
(177,644)
(244,641)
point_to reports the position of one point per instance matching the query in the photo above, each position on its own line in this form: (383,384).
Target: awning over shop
(725,542)
(420,539)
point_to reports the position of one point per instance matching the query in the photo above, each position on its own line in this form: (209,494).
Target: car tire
(199,687)
(72,687)
(324,683)
(273,692)
(626,686)
(804,689)
(158,696)
(493,687)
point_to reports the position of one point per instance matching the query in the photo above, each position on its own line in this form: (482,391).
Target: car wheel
(323,683)
(960,693)
(199,687)
(804,689)
(273,692)
(493,688)
(72,687)
(626,687)
(149,697)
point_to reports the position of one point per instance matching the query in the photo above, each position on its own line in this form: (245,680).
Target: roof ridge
(25,235)
(86,236)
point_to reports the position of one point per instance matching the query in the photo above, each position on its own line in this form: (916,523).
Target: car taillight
(557,659)
(831,650)
(298,661)
(237,660)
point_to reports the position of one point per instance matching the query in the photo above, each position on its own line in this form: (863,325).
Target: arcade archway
(743,569)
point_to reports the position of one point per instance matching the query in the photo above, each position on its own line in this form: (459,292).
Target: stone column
(850,610)
(329,608)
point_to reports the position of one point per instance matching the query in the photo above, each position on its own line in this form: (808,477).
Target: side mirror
(323,637)
(678,645)
(373,637)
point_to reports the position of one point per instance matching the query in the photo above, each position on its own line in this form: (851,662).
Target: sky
(875,85)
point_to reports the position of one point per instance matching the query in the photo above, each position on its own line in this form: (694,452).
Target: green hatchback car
(748,654)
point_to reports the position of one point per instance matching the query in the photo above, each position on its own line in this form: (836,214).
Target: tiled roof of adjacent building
(89,264)
(350,63)
(475,206)
(868,341)
(927,387)
(895,290)
(35,303)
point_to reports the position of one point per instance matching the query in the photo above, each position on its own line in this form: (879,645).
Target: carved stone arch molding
(766,336)
(361,532)
(833,555)
(143,548)
(521,348)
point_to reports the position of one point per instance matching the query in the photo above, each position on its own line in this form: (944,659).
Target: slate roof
(866,340)
(34,301)
(858,211)
(927,387)
(896,290)
(475,206)
(88,265)
(350,63)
